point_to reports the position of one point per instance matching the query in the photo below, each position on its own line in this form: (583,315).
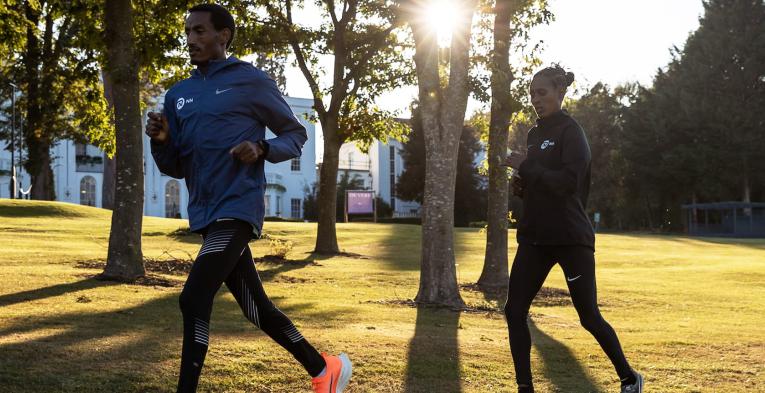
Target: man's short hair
(220,18)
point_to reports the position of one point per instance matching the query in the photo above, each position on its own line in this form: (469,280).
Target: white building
(289,181)
(379,171)
(78,175)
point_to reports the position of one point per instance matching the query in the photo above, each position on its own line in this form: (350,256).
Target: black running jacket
(556,182)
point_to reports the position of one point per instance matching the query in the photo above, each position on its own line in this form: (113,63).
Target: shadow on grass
(275,268)
(182,234)
(133,349)
(58,353)
(493,295)
(758,244)
(433,363)
(559,365)
(755,243)
(52,291)
(394,249)
(546,297)
(169,264)
(317,256)
(22,208)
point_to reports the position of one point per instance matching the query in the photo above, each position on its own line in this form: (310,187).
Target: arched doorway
(88,191)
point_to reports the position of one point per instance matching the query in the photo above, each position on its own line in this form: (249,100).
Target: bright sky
(613,41)
(617,41)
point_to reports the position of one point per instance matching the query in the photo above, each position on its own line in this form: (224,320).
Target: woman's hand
(518,186)
(515,159)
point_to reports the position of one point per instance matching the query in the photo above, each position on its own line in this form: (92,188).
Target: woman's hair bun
(559,76)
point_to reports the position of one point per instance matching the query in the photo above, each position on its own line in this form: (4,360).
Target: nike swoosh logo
(572,279)
(222,91)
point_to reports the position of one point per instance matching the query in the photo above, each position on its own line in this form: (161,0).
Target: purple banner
(360,202)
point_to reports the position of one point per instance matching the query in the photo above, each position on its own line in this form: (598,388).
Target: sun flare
(442,16)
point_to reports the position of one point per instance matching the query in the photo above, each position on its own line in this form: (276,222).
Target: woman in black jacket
(553,179)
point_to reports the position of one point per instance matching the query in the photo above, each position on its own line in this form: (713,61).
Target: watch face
(263,145)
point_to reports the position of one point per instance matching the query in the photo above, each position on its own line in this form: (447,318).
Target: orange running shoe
(337,375)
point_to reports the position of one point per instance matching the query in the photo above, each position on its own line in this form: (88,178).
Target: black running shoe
(636,387)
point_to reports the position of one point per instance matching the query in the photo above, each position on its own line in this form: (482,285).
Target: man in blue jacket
(212,134)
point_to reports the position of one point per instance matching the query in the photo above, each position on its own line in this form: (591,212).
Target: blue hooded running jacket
(209,114)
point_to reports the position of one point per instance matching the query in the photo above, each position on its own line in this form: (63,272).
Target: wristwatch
(263,146)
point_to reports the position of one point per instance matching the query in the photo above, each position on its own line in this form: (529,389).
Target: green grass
(689,313)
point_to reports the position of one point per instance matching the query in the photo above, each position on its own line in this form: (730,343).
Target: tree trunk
(38,166)
(38,146)
(110,167)
(124,260)
(326,236)
(438,275)
(494,274)
(109,183)
(443,116)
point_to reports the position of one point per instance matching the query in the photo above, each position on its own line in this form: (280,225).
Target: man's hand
(515,159)
(518,186)
(156,128)
(247,152)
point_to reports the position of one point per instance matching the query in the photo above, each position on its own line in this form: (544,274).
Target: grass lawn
(689,313)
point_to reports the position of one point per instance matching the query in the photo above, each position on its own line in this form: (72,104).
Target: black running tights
(225,257)
(530,269)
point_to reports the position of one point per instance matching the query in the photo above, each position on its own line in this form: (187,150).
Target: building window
(295,164)
(172,199)
(295,208)
(80,149)
(87,162)
(278,206)
(88,191)
(267,202)
(393,178)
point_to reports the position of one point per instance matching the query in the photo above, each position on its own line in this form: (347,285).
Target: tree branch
(65,35)
(346,9)
(302,63)
(339,83)
(374,44)
(331,9)
(48,37)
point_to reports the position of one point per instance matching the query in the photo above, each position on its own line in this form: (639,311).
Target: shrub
(280,248)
